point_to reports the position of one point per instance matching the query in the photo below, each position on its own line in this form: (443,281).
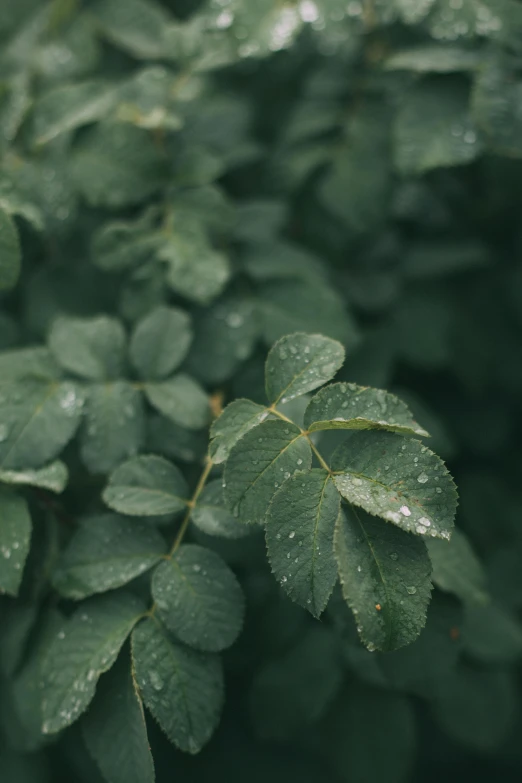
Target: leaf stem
(305,434)
(209,464)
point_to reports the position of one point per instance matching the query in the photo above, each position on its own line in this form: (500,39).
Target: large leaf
(86,646)
(10,254)
(114,729)
(104,553)
(146,486)
(299,535)
(138,26)
(236,420)
(181,399)
(457,569)
(37,419)
(199,598)
(259,463)
(160,342)
(351,407)
(114,425)
(181,687)
(91,348)
(15,538)
(299,363)
(397,479)
(385,578)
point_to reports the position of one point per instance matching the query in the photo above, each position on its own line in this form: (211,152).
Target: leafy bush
(225,228)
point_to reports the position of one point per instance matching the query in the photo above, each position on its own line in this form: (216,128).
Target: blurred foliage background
(349,167)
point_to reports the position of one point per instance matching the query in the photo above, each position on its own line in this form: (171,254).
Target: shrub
(251,253)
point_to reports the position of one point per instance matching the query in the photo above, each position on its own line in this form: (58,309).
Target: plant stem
(305,434)
(190,505)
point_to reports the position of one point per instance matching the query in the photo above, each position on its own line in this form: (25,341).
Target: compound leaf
(86,646)
(160,342)
(146,486)
(199,598)
(352,407)
(299,363)
(397,479)
(181,687)
(385,578)
(104,553)
(15,538)
(114,729)
(259,463)
(299,534)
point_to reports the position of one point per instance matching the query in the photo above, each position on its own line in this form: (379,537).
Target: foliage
(252,255)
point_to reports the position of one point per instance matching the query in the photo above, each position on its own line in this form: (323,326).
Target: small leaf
(299,363)
(299,536)
(23,363)
(146,486)
(104,553)
(160,342)
(199,598)
(212,516)
(53,477)
(114,729)
(259,463)
(352,407)
(37,419)
(114,425)
(236,420)
(457,569)
(385,578)
(91,348)
(70,106)
(86,646)
(137,26)
(397,479)
(15,539)
(180,399)
(181,687)
(10,253)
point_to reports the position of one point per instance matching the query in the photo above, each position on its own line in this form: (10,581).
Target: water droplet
(411,590)
(405,511)
(292,534)
(394,556)
(422,478)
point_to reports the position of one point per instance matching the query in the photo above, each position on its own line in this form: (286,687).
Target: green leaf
(457,569)
(15,539)
(86,646)
(37,419)
(114,729)
(181,399)
(194,269)
(385,578)
(138,26)
(282,260)
(10,253)
(70,106)
(347,406)
(212,516)
(259,463)
(199,598)
(290,306)
(116,165)
(293,690)
(496,97)
(433,59)
(22,363)
(146,486)
(299,363)
(397,479)
(181,687)
(104,553)
(236,420)
(92,348)
(53,477)
(123,244)
(160,342)
(114,425)
(299,535)
(434,128)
